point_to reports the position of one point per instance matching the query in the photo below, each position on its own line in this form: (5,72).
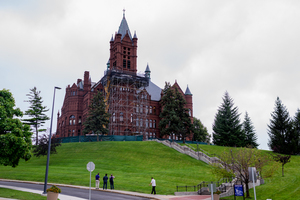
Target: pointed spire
(187,91)
(147,68)
(134,36)
(112,38)
(123,28)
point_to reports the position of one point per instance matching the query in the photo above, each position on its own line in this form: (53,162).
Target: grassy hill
(134,163)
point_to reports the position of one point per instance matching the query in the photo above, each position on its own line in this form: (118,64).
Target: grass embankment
(15,194)
(275,187)
(132,163)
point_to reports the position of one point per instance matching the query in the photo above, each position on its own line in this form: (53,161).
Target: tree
(185,123)
(200,131)
(36,112)
(42,148)
(169,120)
(15,137)
(249,132)
(98,119)
(175,119)
(283,159)
(280,130)
(295,136)
(227,129)
(237,161)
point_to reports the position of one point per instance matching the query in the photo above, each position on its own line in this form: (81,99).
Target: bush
(54,189)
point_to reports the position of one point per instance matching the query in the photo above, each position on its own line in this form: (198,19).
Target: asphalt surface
(78,192)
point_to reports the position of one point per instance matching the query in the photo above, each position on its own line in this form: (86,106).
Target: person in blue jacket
(105,181)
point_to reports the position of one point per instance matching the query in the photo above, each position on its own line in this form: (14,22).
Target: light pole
(49,144)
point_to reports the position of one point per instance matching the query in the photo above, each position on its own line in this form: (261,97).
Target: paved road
(77,192)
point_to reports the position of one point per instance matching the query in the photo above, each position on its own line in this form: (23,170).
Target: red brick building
(133,100)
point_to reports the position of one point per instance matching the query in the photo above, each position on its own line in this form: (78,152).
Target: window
(147,123)
(141,122)
(124,63)
(73,132)
(190,112)
(147,109)
(131,117)
(121,116)
(72,119)
(150,110)
(79,120)
(150,135)
(78,132)
(154,110)
(141,109)
(146,135)
(137,121)
(154,123)
(128,63)
(150,125)
(114,117)
(137,108)
(154,135)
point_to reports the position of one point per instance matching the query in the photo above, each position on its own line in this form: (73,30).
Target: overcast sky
(248,48)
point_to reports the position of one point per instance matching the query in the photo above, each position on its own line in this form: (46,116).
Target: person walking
(105,181)
(111,182)
(153,185)
(97,177)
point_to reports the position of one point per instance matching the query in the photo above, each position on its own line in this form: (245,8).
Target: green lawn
(132,163)
(15,194)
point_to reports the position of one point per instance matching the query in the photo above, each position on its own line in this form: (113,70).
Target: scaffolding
(127,102)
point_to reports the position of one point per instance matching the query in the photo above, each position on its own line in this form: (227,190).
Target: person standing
(105,181)
(97,181)
(153,185)
(111,182)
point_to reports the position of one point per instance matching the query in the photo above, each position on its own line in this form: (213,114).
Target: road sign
(238,190)
(90,166)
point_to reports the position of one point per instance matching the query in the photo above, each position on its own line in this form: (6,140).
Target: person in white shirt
(153,185)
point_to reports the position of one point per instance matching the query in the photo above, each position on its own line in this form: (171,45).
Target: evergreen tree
(294,137)
(185,123)
(98,119)
(227,129)
(169,119)
(15,137)
(280,129)
(249,131)
(42,148)
(200,131)
(36,112)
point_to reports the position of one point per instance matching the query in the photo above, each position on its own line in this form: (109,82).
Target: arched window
(154,110)
(190,112)
(114,117)
(72,119)
(150,110)
(154,123)
(121,116)
(150,125)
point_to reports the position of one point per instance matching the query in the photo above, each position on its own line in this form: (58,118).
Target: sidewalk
(66,197)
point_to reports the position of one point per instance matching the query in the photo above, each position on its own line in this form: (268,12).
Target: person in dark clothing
(97,181)
(111,182)
(105,181)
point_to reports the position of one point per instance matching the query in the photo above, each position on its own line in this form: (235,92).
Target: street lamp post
(49,144)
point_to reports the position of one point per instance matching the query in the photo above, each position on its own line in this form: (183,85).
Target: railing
(186,188)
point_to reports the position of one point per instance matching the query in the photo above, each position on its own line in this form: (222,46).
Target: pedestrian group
(105,178)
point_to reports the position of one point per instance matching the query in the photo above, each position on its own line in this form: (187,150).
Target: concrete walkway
(136,194)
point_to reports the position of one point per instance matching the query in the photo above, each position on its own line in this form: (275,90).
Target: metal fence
(93,138)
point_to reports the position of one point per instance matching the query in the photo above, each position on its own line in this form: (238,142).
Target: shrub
(54,189)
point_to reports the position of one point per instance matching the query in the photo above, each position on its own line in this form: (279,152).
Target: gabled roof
(124,28)
(154,91)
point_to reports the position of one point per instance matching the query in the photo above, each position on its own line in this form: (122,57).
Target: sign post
(253,178)
(90,167)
